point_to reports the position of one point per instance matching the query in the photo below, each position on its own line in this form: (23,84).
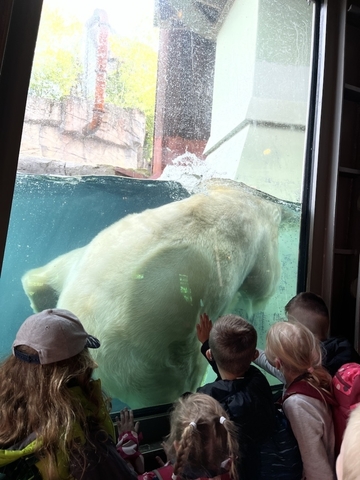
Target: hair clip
(193,424)
(310,370)
(222,420)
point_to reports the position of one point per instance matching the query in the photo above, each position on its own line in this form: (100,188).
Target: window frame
(19,23)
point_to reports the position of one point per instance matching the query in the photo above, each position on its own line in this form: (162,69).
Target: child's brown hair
(233,343)
(201,436)
(310,310)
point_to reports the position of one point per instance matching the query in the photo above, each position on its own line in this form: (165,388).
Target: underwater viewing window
(160,176)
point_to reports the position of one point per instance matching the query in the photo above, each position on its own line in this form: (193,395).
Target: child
(293,349)
(202,441)
(129,439)
(348,462)
(241,388)
(311,310)
(54,420)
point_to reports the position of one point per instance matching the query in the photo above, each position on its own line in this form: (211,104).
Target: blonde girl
(202,441)
(296,353)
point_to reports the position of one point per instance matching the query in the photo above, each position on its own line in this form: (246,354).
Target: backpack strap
(23,468)
(301,386)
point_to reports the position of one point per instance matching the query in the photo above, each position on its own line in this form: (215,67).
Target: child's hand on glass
(128,441)
(203,328)
(126,422)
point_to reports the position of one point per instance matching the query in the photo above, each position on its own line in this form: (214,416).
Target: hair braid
(233,448)
(184,448)
(201,438)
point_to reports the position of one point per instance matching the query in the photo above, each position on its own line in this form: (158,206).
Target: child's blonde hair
(298,351)
(201,437)
(349,454)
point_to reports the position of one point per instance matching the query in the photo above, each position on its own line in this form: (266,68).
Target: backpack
(345,397)
(99,458)
(280,454)
(100,454)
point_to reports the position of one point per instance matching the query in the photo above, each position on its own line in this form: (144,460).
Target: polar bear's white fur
(140,285)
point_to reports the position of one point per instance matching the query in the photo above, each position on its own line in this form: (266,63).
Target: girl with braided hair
(202,440)
(202,443)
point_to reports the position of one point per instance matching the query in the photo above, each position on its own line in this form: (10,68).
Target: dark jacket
(20,461)
(249,404)
(336,352)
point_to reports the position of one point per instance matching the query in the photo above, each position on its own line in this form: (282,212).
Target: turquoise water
(53,215)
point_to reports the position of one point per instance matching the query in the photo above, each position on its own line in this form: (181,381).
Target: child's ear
(208,355)
(256,354)
(277,363)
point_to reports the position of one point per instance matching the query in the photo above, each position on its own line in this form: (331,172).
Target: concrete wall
(261,91)
(53,134)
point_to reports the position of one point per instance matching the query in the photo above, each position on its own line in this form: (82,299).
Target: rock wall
(53,140)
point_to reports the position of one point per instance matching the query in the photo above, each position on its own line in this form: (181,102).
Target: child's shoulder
(338,351)
(256,376)
(253,383)
(255,372)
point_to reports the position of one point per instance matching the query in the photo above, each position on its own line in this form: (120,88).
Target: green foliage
(57,66)
(132,81)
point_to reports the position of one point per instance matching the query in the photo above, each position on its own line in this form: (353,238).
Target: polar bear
(141,284)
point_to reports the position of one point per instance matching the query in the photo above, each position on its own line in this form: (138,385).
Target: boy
(311,310)
(240,388)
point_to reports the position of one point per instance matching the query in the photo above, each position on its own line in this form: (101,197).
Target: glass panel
(160,176)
